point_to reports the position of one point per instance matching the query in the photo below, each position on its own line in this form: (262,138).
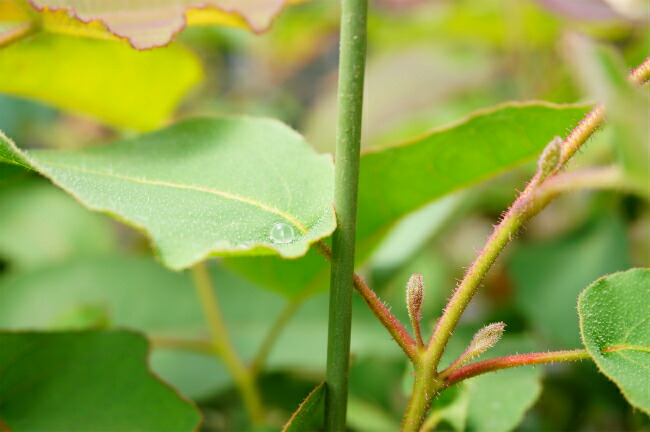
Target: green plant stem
(348,142)
(511,361)
(199,346)
(379,309)
(223,346)
(525,206)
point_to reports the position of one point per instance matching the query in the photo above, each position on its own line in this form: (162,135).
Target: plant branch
(199,346)
(379,309)
(511,361)
(348,142)
(527,205)
(223,346)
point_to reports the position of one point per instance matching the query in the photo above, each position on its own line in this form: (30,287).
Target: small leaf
(148,24)
(615,325)
(203,187)
(104,79)
(301,419)
(82,381)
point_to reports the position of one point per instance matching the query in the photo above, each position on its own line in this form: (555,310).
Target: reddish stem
(379,309)
(511,361)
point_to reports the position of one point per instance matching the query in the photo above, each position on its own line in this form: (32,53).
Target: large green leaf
(398,180)
(549,275)
(615,326)
(82,381)
(203,187)
(105,79)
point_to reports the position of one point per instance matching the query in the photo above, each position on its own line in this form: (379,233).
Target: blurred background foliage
(429,63)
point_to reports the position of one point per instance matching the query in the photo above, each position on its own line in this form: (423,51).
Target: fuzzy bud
(414,296)
(550,158)
(485,339)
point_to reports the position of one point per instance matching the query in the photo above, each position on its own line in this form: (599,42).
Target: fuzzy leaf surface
(203,187)
(398,180)
(615,326)
(81,381)
(107,80)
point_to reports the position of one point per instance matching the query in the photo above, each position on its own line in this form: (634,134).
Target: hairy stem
(533,199)
(348,142)
(641,74)
(223,347)
(379,309)
(511,361)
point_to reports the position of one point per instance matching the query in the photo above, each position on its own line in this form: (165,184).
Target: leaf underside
(220,186)
(615,326)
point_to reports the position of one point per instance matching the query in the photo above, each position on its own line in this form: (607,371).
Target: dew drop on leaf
(282,233)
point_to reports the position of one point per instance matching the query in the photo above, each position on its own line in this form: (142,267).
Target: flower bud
(414,296)
(484,339)
(550,158)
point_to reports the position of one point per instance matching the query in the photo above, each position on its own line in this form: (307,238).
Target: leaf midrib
(223,194)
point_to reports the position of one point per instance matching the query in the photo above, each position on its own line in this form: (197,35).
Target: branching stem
(511,361)
(534,198)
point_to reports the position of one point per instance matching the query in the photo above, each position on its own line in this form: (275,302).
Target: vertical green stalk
(348,139)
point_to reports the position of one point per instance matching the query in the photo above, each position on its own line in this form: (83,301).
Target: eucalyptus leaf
(82,381)
(615,325)
(203,187)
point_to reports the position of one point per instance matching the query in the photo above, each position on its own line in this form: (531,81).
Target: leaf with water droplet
(203,187)
(615,326)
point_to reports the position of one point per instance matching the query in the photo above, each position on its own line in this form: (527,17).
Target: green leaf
(27,239)
(204,187)
(107,80)
(615,325)
(81,381)
(398,180)
(301,419)
(549,275)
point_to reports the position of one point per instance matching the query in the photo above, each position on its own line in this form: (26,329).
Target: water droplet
(281,233)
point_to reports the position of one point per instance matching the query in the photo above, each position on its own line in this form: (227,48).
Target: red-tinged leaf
(147,24)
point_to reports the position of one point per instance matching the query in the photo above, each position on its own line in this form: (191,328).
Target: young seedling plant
(150,182)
